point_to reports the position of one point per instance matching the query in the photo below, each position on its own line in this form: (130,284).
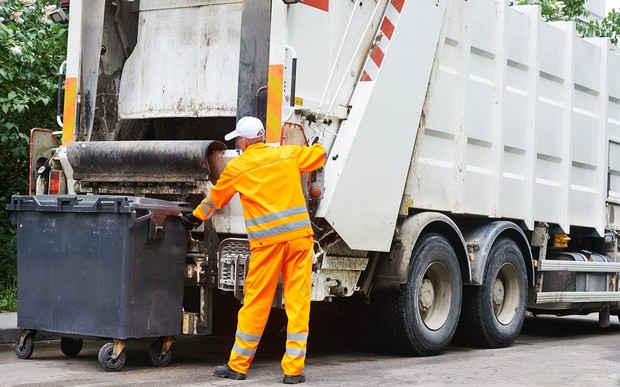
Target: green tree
(552,10)
(610,27)
(32,48)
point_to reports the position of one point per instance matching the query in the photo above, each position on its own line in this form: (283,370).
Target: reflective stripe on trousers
(293,259)
(244,349)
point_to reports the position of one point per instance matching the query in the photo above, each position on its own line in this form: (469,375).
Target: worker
(268,180)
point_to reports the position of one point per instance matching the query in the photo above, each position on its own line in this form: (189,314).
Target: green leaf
(11,95)
(5,108)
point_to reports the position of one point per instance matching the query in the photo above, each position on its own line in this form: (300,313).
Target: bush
(8,282)
(553,10)
(31,51)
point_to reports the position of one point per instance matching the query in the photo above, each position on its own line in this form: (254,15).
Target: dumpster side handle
(138,219)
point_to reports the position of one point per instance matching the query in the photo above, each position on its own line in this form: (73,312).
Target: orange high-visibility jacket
(268,180)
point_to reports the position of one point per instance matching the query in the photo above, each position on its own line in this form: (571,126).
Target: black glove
(189,220)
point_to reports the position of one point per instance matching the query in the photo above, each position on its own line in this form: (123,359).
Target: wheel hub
(506,294)
(427,294)
(498,294)
(435,296)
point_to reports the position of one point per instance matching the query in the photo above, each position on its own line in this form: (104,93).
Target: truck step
(552,297)
(592,267)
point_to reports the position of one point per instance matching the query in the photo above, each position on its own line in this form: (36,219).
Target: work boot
(226,372)
(290,379)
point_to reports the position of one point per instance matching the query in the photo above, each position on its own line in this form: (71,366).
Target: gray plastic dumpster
(102,267)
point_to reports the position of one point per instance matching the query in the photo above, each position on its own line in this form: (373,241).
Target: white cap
(247,127)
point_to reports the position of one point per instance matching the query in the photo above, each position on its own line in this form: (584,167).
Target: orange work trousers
(292,259)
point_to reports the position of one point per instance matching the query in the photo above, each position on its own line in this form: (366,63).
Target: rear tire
(421,319)
(493,313)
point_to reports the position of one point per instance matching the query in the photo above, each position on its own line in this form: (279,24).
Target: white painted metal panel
(613,80)
(588,141)
(517,37)
(367,169)
(481,158)
(613,122)
(610,95)
(434,180)
(614,171)
(331,47)
(518,119)
(195,61)
(230,220)
(516,196)
(552,127)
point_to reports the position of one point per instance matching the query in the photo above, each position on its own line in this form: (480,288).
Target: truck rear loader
(473,168)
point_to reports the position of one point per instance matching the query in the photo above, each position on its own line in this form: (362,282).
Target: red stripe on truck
(398,4)
(365,77)
(323,5)
(377,56)
(387,28)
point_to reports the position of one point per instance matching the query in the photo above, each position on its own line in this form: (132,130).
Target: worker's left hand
(189,220)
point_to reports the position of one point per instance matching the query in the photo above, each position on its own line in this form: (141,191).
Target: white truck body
(520,122)
(519,117)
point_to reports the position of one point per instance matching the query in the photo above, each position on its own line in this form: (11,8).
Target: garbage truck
(473,151)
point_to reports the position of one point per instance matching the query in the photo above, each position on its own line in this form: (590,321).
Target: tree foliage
(610,27)
(31,51)
(552,10)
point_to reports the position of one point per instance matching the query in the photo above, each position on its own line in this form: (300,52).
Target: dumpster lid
(93,203)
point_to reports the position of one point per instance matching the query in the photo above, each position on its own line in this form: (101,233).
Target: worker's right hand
(189,220)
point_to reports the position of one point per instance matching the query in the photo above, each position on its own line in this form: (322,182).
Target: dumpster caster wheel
(106,361)
(25,344)
(71,347)
(156,356)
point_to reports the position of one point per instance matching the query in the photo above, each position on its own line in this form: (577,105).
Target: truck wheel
(71,347)
(105,358)
(25,350)
(494,312)
(422,318)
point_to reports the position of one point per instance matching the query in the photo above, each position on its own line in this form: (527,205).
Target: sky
(613,4)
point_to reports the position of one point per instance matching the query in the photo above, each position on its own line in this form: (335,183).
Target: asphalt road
(551,351)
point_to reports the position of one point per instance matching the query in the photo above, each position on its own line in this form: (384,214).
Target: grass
(8,299)
(8,267)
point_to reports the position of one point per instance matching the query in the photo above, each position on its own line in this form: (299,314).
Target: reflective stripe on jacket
(268,180)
